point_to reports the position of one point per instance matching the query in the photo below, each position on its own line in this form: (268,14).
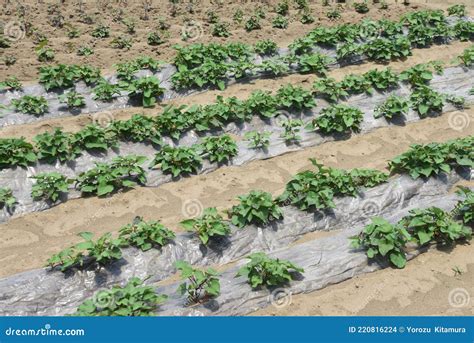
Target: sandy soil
(422,288)
(427,286)
(443,53)
(110,13)
(27,241)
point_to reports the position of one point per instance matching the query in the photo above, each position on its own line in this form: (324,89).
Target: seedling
(101,31)
(382,79)
(467,57)
(465,208)
(292,128)
(457,10)
(294,98)
(357,84)
(221,29)
(73,100)
(394,106)
(425,100)
(199,285)
(58,76)
(11,83)
(261,103)
(139,128)
(219,149)
(121,42)
(103,179)
(85,51)
(145,235)
(93,137)
(148,88)
(275,67)
(282,7)
(57,145)
(154,38)
(433,224)
(101,252)
(49,186)
(177,161)
(257,208)
(457,271)
(265,271)
(266,47)
(7,199)
(315,190)
(253,23)
(330,89)
(380,238)
(307,17)
(258,139)
(16,152)
(361,7)
(421,74)
(457,101)
(423,160)
(132,300)
(313,63)
(105,91)
(280,22)
(210,224)
(45,54)
(337,119)
(30,104)
(384,49)
(334,14)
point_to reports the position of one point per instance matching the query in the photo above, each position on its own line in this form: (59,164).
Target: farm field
(261,157)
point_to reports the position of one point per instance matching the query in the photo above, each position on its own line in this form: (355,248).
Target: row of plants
(160,33)
(199,286)
(123,171)
(146,89)
(421,227)
(202,65)
(310,190)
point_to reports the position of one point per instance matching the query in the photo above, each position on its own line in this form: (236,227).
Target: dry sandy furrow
(427,286)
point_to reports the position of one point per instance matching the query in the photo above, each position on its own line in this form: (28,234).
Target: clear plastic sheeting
(57,109)
(455,81)
(325,262)
(51,292)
